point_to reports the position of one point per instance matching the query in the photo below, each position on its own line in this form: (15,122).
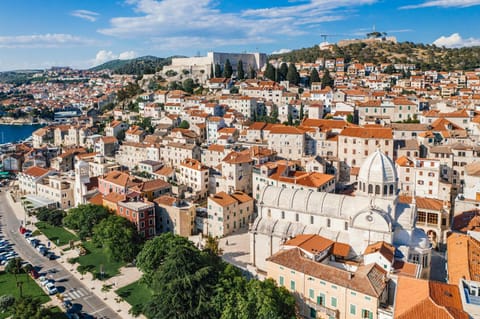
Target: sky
(84,33)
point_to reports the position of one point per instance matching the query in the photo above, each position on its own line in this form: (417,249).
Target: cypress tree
(227,69)
(292,75)
(270,72)
(218,71)
(240,71)
(314,77)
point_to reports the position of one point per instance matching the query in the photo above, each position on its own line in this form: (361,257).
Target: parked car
(51,289)
(50,255)
(33,273)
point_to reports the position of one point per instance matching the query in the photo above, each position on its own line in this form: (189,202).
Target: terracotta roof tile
(370,132)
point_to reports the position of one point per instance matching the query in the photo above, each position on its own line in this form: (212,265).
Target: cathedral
(373,214)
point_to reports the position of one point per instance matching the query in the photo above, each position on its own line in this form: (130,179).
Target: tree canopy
(327,80)
(292,74)
(188,85)
(184,124)
(119,236)
(269,72)
(84,217)
(227,69)
(188,283)
(53,217)
(314,77)
(240,70)
(218,70)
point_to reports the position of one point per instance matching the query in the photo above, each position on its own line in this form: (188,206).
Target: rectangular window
(333,302)
(311,219)
(353,309)
(311,294)
(292,285)
(421,217)
(281,281)
(432,218)
(321,300)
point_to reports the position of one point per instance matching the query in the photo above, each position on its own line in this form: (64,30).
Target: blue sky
(39,34)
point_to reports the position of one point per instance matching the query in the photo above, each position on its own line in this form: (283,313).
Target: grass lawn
(96,257)
(136,294)
(56,233)
(8,286)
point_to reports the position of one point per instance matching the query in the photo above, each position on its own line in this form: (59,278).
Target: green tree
(183,286)
(240,71)
(121,135)
(6,301)
(314,77)
(327,79)
(84,217)
(188,85)
(14,266)
(184,124)
(119,236)
(227,69)
(283,71)
(252,74)
(390,69)
(212,245)
(350,118)
(155,251)
(29,308)
(212,73)
(53,217)
(269,72)
(289,119)
(292,75)
(301,112)
(218,70)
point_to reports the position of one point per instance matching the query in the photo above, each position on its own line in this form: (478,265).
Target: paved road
(67,284)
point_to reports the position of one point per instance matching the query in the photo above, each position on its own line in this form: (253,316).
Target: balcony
(322,311)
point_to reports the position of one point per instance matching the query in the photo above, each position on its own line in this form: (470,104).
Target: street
(72,288)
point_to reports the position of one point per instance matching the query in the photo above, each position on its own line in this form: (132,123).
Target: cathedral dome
(378,175)
(378,168)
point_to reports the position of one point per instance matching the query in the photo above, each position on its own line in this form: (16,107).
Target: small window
(329,222)
(281,281)
(292,285)
(353,309)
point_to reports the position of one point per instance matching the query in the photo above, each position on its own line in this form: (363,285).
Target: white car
(51,289)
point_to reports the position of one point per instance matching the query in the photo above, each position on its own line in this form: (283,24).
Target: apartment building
(228,213)
(287,141)
(174,153)
(355,144)
(236,172)
(194,175)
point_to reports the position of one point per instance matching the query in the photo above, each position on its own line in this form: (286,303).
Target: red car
(22,230)
(34,274)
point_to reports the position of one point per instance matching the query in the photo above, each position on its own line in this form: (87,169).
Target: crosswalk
(75,293)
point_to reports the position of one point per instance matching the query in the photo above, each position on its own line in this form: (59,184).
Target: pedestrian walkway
(73,294)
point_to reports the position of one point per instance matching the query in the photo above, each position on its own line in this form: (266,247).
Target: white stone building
(373,214)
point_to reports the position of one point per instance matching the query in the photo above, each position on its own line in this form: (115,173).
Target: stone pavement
(127,275)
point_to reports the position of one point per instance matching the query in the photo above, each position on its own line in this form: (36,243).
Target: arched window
(385,189)
(377,189)
(370,188)
(391,189)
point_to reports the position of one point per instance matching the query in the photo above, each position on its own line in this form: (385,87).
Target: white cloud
(49,40)
(455,40)
(444,4)
(282,51)
(105,56)
(127,55)
(85,14)
(207,26)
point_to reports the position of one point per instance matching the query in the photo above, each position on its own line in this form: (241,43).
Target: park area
(136,294)
(57,235)
(96,258)
(8,286)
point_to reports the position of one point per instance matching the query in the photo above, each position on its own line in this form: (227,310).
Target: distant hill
(424,56)
(17,77)
(142,65)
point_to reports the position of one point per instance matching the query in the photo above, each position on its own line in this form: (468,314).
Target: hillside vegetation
(424,56)
(142,65)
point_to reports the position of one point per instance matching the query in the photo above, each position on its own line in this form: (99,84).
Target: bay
(15,133)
